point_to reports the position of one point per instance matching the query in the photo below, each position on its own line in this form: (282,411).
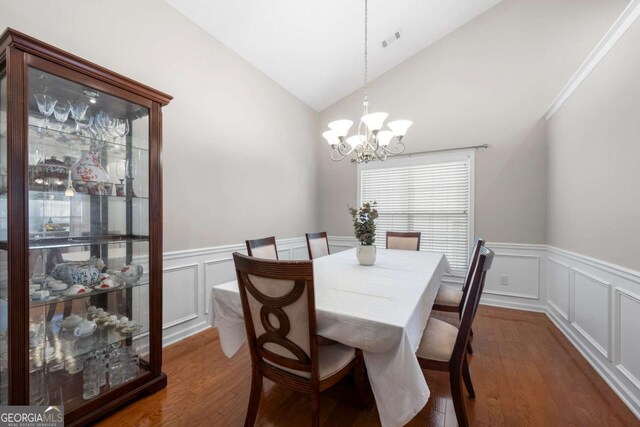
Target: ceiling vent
(395,36)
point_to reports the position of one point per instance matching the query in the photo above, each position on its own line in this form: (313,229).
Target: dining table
(381,309)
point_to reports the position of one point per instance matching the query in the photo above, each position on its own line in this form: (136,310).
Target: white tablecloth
(381,309)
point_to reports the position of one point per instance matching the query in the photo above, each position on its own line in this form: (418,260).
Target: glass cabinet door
(4,283)
(88,212)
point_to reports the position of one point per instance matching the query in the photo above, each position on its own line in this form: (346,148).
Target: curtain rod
(443,149)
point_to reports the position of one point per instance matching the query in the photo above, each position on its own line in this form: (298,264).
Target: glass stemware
(83,125)
(121,128)
(104,123)
(46,104)
(61,114)
(78,112)
(121,171)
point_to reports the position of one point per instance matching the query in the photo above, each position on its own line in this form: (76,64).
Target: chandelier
(371,142)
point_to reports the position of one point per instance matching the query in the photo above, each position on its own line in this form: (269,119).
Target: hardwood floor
(524,371)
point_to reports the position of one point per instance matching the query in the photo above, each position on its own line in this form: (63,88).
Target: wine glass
(61,114)
(121,128)
(104,123)
(121,174)
(46,104)
(83,125)
(78,112)
(121,171)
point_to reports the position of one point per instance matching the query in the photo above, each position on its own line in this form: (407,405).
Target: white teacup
(123,321)
(86,327)
(112,320)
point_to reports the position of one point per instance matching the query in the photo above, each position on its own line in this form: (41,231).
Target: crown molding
(615,32)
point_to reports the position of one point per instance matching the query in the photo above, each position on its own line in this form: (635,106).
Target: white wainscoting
(595,304)
(523,268)
(597,307)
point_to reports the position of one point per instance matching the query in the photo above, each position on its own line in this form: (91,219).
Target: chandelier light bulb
(340,127)
(374,121)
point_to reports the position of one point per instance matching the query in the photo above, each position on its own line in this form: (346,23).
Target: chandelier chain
(366,21)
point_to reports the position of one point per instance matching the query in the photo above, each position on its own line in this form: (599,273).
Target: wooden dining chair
(318,244)
(263,248)
(443,346)
(406,240)
(278,304)
(450,299)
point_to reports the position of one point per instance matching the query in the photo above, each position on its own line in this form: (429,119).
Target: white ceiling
(314,49)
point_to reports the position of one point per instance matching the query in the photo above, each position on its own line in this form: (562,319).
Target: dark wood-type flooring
(524,370)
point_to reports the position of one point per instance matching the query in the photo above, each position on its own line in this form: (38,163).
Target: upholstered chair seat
(437,341)
(449,296)
(331,360)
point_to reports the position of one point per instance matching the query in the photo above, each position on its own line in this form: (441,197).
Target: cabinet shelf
(61,298)
(66,143)
(59,195)
(69,242)
(66,345)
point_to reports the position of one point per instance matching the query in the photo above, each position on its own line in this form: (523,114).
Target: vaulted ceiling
(314,49)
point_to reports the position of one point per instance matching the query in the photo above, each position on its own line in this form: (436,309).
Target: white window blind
(430,194)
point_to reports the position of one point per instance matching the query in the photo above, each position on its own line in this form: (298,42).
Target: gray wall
(488,82)
(232,135)
(594,161)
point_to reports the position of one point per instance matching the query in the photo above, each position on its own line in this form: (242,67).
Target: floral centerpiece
(364,227)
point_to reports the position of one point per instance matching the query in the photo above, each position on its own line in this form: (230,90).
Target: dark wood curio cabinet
(80,232)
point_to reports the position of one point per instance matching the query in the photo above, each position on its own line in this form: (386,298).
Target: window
(428,193)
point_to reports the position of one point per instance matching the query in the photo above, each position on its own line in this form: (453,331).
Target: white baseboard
(512,305)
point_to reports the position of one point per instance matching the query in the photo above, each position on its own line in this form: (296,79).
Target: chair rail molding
(611,37)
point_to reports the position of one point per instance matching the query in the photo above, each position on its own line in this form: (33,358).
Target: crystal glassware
(46,104)
(78,112)
(121,128)
(116,372)
(90,378)
(104,122)
(83,125)
(61,113)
